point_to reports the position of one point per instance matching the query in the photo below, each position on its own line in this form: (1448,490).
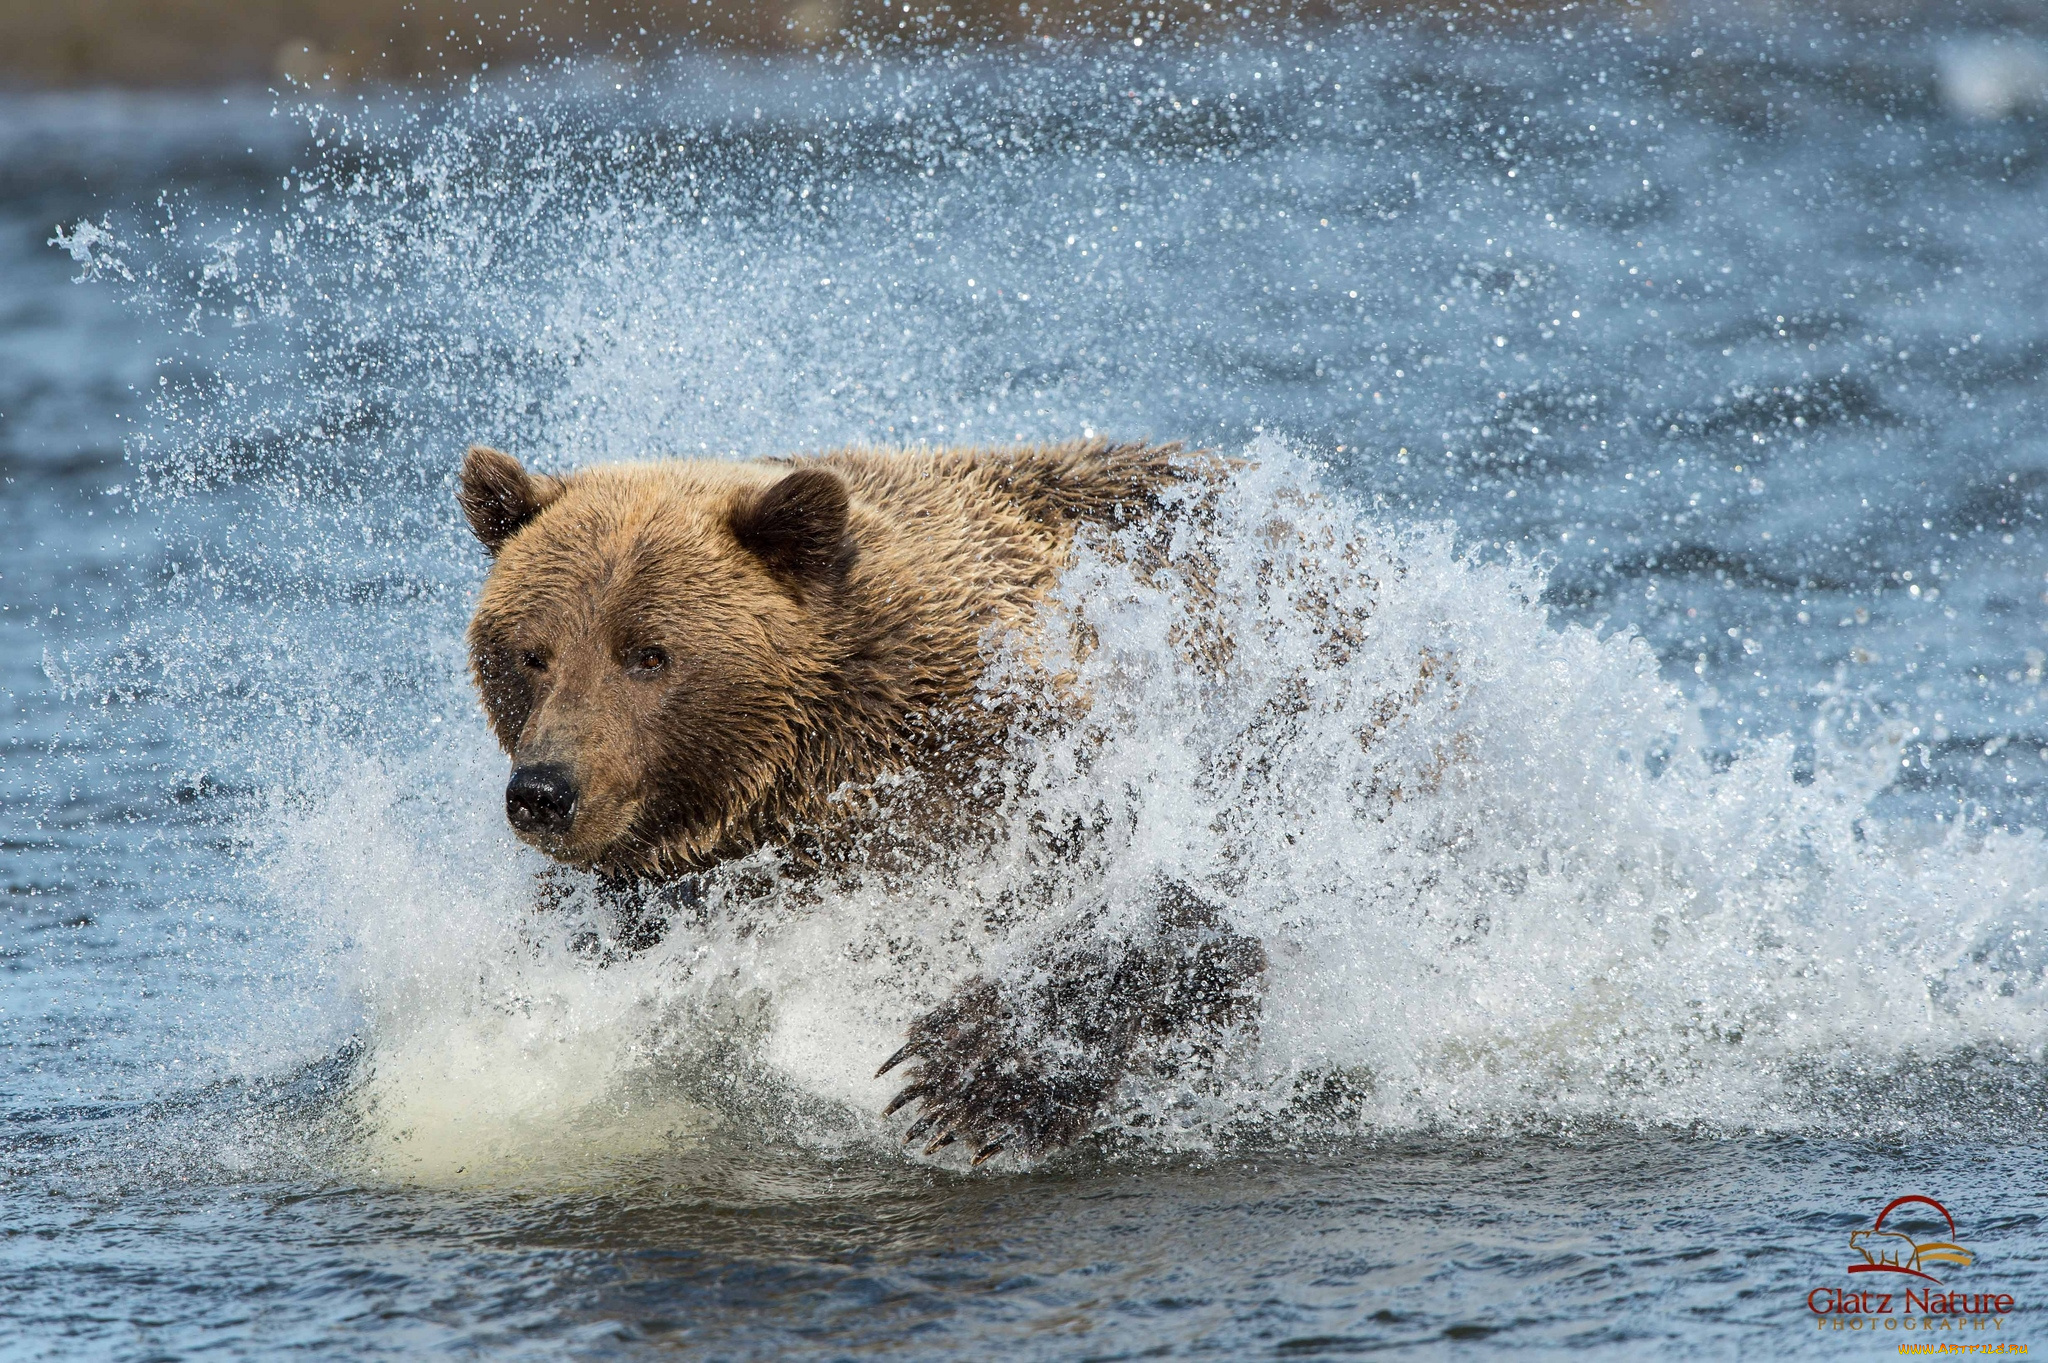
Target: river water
(1675,389)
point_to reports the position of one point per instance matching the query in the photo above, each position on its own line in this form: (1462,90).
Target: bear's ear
(498,496)
(798,526)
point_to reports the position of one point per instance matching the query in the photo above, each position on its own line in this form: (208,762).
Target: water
(1674,387)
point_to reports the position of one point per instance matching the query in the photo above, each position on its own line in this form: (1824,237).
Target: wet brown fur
(789,676)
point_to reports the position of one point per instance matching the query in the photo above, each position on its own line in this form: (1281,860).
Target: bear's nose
(541,799)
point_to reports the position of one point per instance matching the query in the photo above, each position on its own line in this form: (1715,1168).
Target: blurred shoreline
(171,43)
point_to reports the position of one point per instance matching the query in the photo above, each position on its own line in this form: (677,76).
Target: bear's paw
(980,1075)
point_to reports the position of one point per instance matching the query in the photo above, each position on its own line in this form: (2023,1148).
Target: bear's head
(649,643)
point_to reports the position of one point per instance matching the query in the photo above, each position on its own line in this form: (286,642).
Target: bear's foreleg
(1027,1065)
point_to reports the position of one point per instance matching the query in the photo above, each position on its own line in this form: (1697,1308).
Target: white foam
(1534,895)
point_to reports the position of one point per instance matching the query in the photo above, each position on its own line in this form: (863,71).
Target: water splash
(1501,876)
(1542,891)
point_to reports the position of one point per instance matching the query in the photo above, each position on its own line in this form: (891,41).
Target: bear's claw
(914,1092)
(976,1075)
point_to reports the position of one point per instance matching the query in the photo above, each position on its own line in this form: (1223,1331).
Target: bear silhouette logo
(1891,1251)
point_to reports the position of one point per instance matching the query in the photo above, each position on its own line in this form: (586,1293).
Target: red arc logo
(1890,1251)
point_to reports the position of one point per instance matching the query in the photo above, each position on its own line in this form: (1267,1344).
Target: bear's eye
(645,662)
(533,660)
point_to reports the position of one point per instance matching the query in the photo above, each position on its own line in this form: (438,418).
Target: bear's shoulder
(1081,480)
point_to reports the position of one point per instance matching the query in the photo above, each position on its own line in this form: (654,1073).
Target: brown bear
(690,660)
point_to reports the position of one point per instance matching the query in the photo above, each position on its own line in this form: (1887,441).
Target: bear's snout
(541,799)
